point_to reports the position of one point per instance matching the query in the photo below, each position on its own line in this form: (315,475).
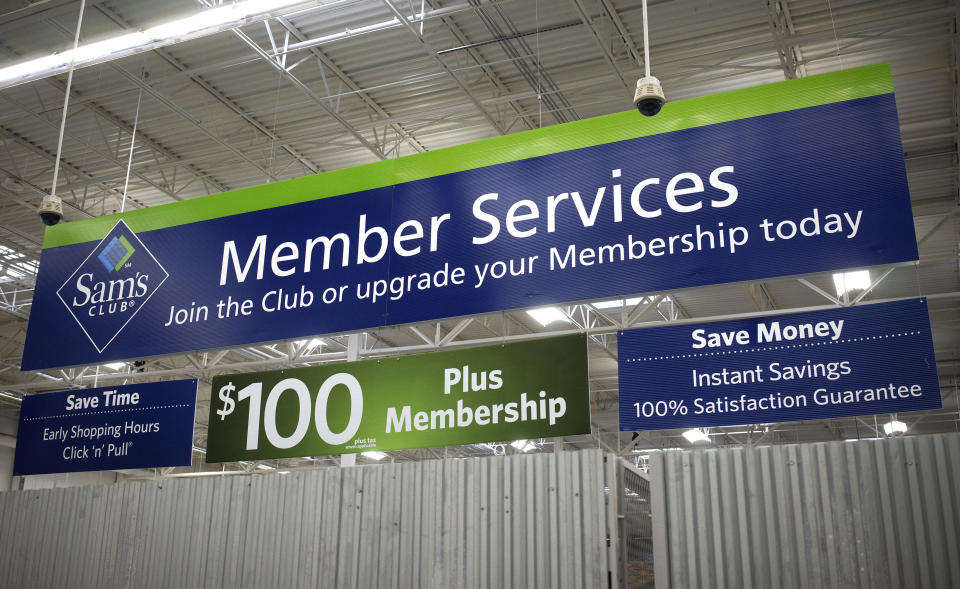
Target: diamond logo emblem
(116,254)
(112,284)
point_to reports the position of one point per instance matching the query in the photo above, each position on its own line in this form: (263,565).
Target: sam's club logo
(116,254)
(111,285)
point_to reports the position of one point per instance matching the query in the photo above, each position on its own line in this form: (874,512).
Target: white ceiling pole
(133,139)
(66,102)
(646,42)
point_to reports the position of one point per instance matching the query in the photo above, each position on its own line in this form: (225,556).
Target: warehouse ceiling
(326,85)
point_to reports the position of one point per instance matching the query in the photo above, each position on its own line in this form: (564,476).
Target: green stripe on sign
(685,114)
(126,244)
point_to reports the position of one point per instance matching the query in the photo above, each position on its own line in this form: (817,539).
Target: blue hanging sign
(875,358)
(792,178)
(145,425)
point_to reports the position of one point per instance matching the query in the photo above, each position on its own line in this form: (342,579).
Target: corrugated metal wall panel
(870,514)
(519,521)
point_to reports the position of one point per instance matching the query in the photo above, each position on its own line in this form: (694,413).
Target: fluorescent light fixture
(696,435)
(115,365)
(523,445)
(199,449)
(92,51)
(265,467)
(205,19)
(203,22)
(26,69)
(894,426)
(374,454)
(618,303)
(850,281)
(11,396)
(547,315)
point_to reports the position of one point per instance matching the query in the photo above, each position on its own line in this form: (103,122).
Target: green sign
(524,390)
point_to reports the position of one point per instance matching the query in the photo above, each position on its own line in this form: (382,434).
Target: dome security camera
(649,97)
(51,210)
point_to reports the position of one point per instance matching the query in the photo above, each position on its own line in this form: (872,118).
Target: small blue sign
(867,359)
(145,425)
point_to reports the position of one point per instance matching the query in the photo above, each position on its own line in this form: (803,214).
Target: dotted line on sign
(106,411)
(786,347)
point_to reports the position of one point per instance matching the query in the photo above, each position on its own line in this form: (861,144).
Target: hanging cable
(66,101)
(51,206)
(836,37)
(646,42)
(133,139)
(539,69)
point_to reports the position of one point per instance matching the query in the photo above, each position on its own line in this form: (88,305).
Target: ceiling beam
(432,53)
(217,94)
(325,61)
(522,114)
(601,43)
(295,81)
(781,27)
(40,10)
